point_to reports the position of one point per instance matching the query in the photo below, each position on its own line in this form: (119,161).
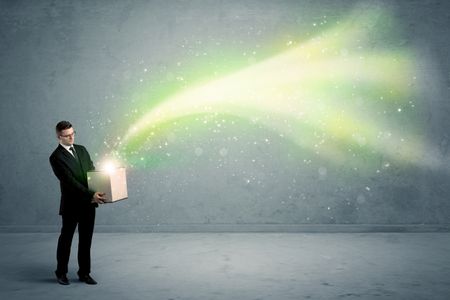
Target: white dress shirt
(68,148)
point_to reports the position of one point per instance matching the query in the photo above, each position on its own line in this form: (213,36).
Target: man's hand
(98,198)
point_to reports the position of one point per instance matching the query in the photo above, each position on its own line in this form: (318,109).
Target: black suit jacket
(72,175)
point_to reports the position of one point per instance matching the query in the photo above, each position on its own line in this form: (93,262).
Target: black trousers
(85,221)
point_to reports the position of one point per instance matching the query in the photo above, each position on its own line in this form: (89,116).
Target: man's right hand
(98,198)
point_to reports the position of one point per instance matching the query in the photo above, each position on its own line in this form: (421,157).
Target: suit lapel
(80,156)
(69,158)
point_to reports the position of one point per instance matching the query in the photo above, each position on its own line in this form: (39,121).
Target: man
(70,164)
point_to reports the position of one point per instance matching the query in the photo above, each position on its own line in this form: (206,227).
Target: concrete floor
(234,266)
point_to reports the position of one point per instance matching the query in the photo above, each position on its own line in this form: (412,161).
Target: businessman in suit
(70,163)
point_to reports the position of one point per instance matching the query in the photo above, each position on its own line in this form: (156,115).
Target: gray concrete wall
(84,60)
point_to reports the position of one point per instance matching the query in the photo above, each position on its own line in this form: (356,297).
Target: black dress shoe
(62,279)
(87,279)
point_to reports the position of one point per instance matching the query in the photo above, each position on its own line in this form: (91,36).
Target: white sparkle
(198,151)
(223,151)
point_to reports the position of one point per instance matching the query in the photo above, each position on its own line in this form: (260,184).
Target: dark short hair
(62,126)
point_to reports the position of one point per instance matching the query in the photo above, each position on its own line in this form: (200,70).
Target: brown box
(112,182)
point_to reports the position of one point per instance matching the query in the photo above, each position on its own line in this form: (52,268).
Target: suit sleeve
(65,176)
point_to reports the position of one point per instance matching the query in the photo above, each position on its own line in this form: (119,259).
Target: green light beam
(311,88)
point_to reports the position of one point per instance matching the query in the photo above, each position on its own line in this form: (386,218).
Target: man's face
(67,136)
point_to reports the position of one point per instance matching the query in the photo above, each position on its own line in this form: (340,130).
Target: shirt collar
(67,148)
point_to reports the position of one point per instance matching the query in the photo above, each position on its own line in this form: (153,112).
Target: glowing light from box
(109,167)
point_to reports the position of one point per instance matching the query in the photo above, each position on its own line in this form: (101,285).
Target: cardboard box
(112,182)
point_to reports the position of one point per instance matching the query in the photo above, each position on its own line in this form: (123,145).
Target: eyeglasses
(68,135)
